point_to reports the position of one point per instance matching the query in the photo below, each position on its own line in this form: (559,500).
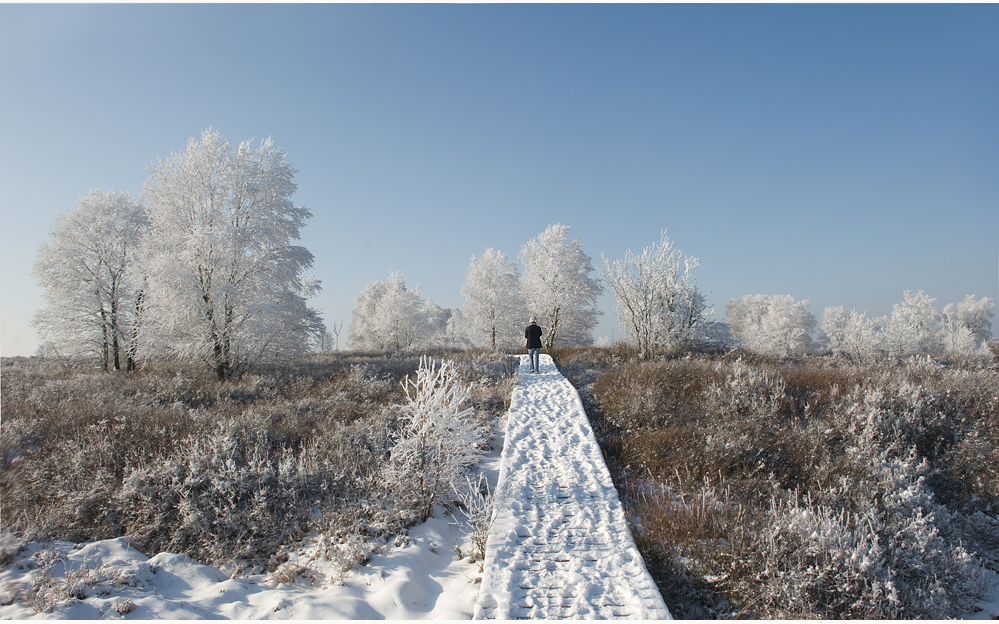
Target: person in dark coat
(533,335)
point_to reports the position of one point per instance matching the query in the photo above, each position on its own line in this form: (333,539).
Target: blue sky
(836,153)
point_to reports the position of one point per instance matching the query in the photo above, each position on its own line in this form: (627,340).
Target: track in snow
(559,546)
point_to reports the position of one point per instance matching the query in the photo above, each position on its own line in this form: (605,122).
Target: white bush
(438,441)
(477,506)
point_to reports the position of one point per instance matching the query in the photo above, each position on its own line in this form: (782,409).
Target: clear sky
(836,153)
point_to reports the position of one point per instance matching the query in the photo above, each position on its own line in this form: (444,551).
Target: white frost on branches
(852,335)
(494,309)
(658,302)
(225,282)
(558,289)
(390,317)
(914,326)
(93,296)
(439,440)
(771,324)
(961,331)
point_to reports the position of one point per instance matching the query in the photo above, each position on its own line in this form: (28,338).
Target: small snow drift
(559,544)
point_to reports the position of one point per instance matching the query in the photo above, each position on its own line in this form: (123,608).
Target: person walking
(533,335)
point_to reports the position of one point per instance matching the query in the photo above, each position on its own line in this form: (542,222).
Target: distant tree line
(659,307)
(779,325)
(556,286)
(202,266)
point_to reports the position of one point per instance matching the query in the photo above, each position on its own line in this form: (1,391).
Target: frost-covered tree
(457,333)
(771,324)
(914,326)
(971,313)
(438,441)
(494,309)
(93,295)
(658,302)
(966,328)
(557,287)
(436,321)
(388,316)
(852,334)
(225,283)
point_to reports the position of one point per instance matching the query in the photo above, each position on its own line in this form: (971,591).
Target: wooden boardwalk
(559,546)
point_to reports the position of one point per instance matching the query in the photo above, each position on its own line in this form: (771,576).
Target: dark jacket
(533,335)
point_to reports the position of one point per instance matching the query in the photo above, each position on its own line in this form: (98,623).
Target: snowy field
(414,577)
(557,548)
(987,609)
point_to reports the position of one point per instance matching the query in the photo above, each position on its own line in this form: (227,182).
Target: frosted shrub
(477,506)
(848,492)
(438,440)
(229,473)
(817,560)
(747,391)
(345,557)
(53,581)
(364,381)
(230,497)
(887,558)
(124,606)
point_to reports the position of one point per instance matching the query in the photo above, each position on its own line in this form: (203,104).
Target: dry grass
(225,472)
(745,476)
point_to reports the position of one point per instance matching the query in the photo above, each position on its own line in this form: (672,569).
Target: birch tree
(914,326)
(558,289)
(225,283)
(494,309)
(93,297)
(853,334)
(771,324)
(389,317)
(658,303)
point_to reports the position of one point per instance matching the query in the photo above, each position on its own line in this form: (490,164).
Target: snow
(987,609)
(420,578)
(559,545)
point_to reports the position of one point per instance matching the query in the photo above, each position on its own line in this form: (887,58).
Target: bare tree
(336,329)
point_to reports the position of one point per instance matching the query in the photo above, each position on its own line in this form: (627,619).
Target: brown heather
(226,472)
(758,487)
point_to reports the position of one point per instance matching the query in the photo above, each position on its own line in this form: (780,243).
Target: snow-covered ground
(987,609)
(558,547)
(559,544)
(419,577)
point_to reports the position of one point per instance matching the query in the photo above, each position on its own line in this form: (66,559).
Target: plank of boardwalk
(559,546)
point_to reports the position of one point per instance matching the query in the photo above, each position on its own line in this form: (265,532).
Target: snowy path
(559,545)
